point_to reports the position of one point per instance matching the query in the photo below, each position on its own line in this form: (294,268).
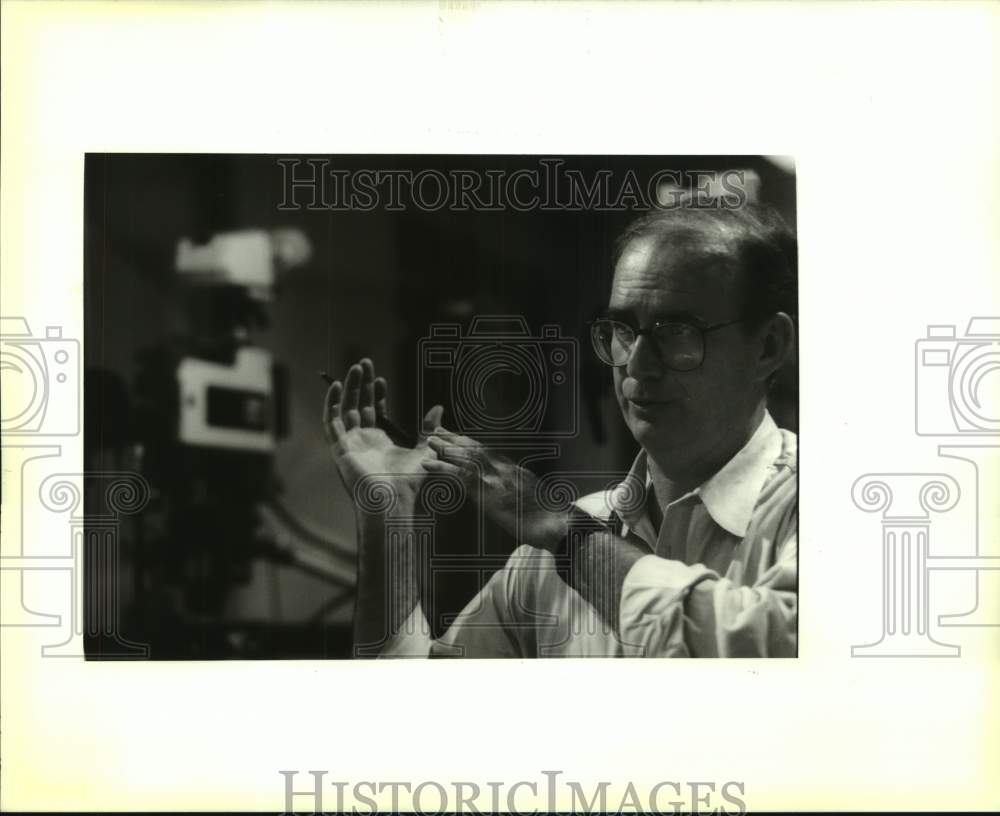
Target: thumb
(431,420)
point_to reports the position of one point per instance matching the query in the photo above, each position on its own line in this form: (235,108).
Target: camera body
(500,381)
(235,407)
(957,380)
(230,394)
(41,381)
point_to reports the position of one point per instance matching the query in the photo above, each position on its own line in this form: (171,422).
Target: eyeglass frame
(648,331)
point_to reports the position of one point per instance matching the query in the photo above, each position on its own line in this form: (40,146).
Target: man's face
(680,416)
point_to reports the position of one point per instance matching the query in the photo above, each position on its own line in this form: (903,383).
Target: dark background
(375,283)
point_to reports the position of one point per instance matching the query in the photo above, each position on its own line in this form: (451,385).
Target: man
(695,553)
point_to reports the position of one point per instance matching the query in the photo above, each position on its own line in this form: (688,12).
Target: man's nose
(644,359)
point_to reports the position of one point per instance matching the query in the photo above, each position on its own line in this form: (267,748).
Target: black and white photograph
(359,357)
(443,406)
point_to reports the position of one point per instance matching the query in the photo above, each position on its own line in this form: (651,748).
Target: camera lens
(24,388)
(499,388)
(975,387)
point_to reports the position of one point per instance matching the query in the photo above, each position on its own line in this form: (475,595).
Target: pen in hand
(393,431)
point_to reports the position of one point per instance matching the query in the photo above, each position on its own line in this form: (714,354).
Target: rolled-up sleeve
(412,639)
(671,609)
(483,627)
(480,630)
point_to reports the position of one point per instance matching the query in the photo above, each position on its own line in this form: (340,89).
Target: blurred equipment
(231,395)
(230,406)
(246,258)
(211,408)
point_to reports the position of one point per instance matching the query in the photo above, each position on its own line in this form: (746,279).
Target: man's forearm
(688,610)
(599,565)
(388,587)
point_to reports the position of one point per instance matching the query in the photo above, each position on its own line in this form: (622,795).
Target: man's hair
(753,236)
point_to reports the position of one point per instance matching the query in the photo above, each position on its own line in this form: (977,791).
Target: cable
(308,536)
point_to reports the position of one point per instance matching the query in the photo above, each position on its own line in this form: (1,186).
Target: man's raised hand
(359,447)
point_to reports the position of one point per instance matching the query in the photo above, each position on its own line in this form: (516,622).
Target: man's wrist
(549,532)
(383,495)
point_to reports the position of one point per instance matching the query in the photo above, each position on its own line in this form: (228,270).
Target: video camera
(211,408)
(230,394)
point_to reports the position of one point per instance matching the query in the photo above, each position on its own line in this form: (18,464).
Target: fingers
(352,398)
(357,401)
(437,466)
(432,419)
(454,439)
(333,424)
(380,393)
(465,455)
(367,395)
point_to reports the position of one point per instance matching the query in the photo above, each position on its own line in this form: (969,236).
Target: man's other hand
(506,491)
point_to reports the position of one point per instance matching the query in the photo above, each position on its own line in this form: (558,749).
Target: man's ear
(777,340)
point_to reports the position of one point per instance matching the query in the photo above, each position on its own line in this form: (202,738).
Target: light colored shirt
(721,579)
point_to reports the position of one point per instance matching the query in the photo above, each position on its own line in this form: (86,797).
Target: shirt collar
(729,496)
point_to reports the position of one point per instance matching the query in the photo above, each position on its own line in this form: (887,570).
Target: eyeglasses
(681,345)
